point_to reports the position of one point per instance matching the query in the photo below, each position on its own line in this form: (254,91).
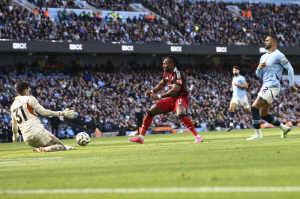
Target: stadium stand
(114,5)
(190,23)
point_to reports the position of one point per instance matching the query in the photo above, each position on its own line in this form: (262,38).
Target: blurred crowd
(116,5)
(195,22)
(55,3)
(212,22)
(108,97)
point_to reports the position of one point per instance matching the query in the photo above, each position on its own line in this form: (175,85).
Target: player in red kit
(175,99)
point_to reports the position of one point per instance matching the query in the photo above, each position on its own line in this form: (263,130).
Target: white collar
(175,69)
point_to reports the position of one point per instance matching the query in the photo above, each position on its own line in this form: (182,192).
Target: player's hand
(155,97)
(67,113)
(262,65)
(148,93)
(294,89)
(231,89)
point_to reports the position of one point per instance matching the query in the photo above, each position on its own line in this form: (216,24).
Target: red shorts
(171,103)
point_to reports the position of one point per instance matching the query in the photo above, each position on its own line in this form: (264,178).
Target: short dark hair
(236,67)
(274,37)
(21,86)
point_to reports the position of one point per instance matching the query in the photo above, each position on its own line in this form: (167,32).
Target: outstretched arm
(45,112)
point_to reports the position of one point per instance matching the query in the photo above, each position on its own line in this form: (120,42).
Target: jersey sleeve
(281,59)
(242,80)
(179,79)
(33,103)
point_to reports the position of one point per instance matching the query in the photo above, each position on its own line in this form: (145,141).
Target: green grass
(163,161)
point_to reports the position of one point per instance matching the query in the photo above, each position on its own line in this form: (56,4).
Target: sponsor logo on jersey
(179,81)
(75,47)
(221,49)
(21,46)
(127,48)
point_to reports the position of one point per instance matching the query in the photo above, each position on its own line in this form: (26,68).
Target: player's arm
(158,87)
(14,127)
(172,92)
(261,66)
(290,70)
(244,85)
(45,112)
(286,64)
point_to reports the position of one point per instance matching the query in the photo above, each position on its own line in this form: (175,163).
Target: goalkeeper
(34,134)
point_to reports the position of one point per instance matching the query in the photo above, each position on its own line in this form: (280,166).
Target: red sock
(189,125)
(146,123)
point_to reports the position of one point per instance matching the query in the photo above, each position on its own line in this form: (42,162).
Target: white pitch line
(156,190)
(26,159)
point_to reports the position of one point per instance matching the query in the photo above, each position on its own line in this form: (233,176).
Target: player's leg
(154,110)
(244,102)
(232,108)
(257,104)
(264,112)
(180,107)
(47,142)
(181,114)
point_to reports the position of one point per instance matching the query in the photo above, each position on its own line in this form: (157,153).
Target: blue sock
(272,120)
(255,117)
(231,118)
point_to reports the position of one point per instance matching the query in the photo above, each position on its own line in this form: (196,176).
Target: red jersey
(176,77)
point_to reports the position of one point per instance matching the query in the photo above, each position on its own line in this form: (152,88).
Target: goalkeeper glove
(67,113)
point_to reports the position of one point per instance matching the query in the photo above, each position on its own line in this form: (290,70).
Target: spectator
(69,133)
(55,121)
(62,133)
(45,121)
(46,13)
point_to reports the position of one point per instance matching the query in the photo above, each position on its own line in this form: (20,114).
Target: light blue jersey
(271,75)
(238,92)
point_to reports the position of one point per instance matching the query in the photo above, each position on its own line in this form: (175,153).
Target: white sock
(197,136)
(68,147)
(258,132)
(231,124)
(56,147)
(282,127)
(142,137)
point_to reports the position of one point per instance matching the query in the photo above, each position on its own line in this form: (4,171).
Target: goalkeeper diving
(25,118)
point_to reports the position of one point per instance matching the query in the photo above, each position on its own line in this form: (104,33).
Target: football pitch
(225,165)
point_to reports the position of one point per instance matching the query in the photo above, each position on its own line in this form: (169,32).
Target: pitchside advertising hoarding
(95,47)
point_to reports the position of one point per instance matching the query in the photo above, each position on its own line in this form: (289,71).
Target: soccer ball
(82,138)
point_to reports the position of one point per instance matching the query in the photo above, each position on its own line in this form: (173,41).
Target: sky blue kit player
(239,95)
(270,69)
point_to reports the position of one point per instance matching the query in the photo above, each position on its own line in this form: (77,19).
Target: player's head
(271,41)
(236,70)
(23,88)
(170,63)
